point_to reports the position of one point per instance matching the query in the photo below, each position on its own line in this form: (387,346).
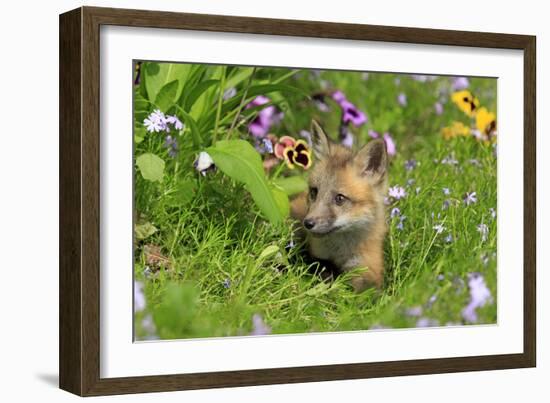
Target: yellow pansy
(466,102)
(485,121)
(456,129)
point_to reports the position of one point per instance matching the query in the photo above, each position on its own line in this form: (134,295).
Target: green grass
(227,263)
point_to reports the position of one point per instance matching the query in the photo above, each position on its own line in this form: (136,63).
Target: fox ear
(372,160)
(321,144)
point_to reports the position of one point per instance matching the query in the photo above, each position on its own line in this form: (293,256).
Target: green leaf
(189,121)
(291,185)
(139,134)
(238,160)
(281,198)
(184,193)
(145,230)
(167,96)
(151,167)
(157,75)
(197,91)
(269,251)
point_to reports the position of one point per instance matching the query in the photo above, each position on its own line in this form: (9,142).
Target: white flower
(204,163)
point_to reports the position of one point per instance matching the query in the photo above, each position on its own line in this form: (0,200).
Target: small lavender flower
(346,138)
(155,122)
(390,144)
(432,300)
(439,228)
(226,283)
(446,191)
(446,204)
(427,322)
(438,107)
(479,296)
(172,145)
(397,192)
(449,239)
(441,277)
(415,311)
(204,163)
(410,164)
(460,83)
(402,99)
(373,134)
(449,160)
(395,212)
(470,198)
(174,121)
(139,297)
(493,213)
(483,229)
(259,327)
(266,117)
(229,93)
(399,225)
(350,113)
(307,136)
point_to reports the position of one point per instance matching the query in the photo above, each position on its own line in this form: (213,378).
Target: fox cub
(343,211)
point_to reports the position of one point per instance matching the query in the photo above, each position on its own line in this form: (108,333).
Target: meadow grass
(224,267)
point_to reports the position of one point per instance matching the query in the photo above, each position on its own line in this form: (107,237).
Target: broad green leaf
(145,230)
(167,96)
(281,198)
(291,185)
(157,75)
(197,91)
(238,160)
(184,193)
(151,167)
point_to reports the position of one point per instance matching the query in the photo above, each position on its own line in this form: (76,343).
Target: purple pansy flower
(350,113)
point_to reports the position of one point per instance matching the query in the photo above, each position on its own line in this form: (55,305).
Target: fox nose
(309,223)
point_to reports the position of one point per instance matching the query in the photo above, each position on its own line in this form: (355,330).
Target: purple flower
(306,135)
(139,297)
(460,83)
(172,145)
(350,114)
(479,296)
(226,283)
(395,212)
(493,213)
(439,228)
(449,238)
(259,328)
(469,198)
(399,225)
(438,106)
(373,134)
(319,101)
(446,204)
(427,322)
(174,121)
(483,229)
(266,117)
(155,122)
(410,165)
(402,99)
(415,311)
(390,144)
(346,138)
(397,192)
(446,191)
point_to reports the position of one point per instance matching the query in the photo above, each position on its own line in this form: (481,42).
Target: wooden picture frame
(79,200)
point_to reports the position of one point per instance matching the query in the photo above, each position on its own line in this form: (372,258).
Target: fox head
(346,188)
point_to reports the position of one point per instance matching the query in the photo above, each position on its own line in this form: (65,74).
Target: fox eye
(313,193)
(340,199)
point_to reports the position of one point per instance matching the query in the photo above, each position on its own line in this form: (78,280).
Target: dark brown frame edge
(79,200)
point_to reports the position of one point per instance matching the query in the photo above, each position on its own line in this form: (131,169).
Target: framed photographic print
(249,201)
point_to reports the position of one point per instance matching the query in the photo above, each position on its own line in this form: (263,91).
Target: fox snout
(318,225)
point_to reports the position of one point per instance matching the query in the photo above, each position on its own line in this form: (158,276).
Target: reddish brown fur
(350,235)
